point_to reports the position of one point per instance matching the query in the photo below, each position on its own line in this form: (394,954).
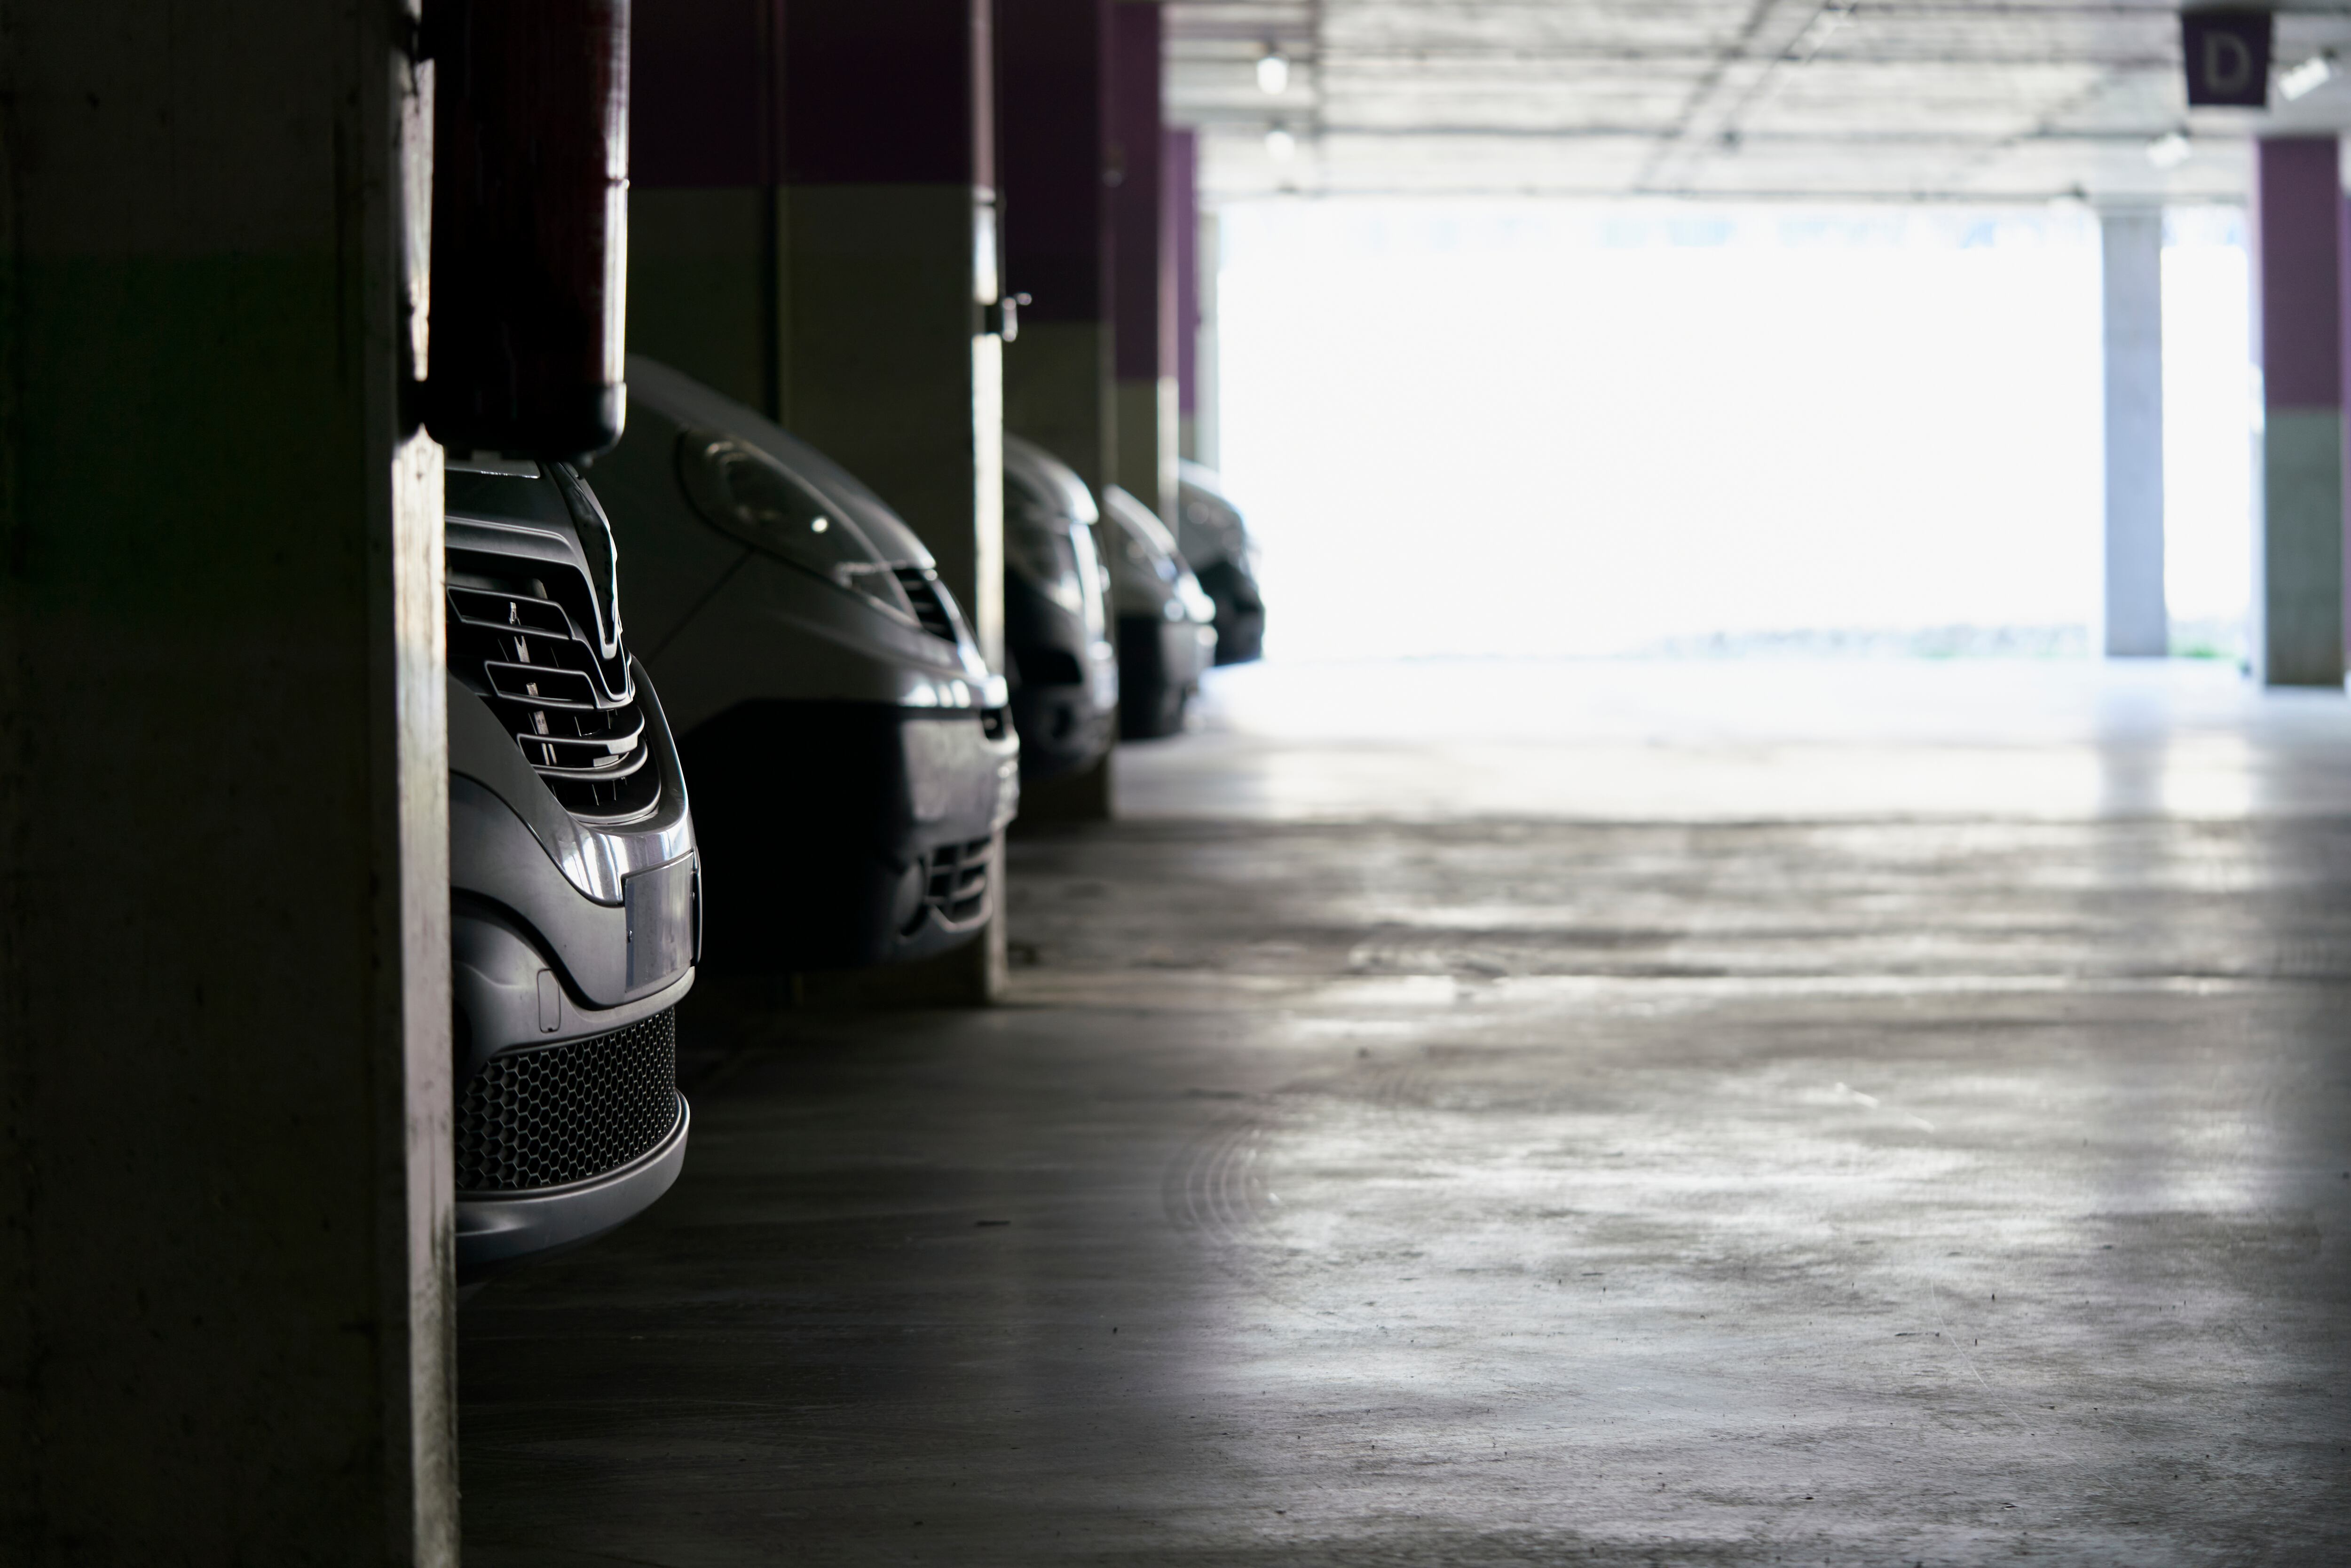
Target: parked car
(1063,668)
(1166,631)
(1215,544)
(574,879)
(852,753)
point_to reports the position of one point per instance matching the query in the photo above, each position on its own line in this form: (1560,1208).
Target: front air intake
(547,1116)
(956,889)
(923,591)
(522,638)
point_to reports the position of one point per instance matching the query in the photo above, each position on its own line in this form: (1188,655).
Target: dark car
(1166,634)
(1062,665)
(575,884)
(850,750)
(1214,543)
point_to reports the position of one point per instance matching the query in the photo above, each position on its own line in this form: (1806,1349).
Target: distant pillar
(1207,447)
(1141,259)
(2297,223)
(1054,60)
(2137,624)
(888,242)
(1183,166)
(705,150)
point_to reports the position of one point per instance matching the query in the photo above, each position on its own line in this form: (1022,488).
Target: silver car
(575,884)
(1062,666)
(1166,625)
(852,753)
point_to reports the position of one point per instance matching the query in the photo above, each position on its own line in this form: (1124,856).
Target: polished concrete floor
(1421,1137)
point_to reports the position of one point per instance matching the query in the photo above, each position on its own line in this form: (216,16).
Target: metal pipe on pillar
(2298,227)
(2137,622)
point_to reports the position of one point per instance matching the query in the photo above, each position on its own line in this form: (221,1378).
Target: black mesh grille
(545,1115)
(923,590)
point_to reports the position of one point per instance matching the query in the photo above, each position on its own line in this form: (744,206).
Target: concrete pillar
(706,153)
(224,1055)
(1053,59)
(1142,258)
(2297,225)
(1183,166)
(2137,624)
(888,246)
(1207,439)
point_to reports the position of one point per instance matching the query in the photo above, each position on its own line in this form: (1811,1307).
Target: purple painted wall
(1182,167)
(2300,237)
(701,93)
(883,92)
(1142,298)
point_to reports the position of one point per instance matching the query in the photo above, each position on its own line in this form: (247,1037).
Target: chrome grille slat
(524,649)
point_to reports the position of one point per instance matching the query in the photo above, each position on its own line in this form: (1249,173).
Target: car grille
(957,890)
(923,591)
(514,641)
(548,1115)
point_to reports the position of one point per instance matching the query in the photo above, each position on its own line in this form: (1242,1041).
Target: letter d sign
(2228,57)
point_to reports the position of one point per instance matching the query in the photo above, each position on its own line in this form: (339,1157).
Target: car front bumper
(497,1229)
(837,835)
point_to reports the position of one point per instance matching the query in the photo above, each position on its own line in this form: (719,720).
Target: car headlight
(748,494)
(1042,553)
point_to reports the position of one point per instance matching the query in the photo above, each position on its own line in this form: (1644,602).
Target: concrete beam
(2137,623)
(224,1167)
(2297,223)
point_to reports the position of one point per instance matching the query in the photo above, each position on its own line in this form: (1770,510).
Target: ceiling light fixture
(2169,151)
(1272,70)
(2308,76)
(1280,144)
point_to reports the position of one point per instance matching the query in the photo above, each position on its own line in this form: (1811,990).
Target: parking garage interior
(1175,781)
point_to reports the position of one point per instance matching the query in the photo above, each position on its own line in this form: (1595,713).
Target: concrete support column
(1183,166)
(705,160)
(1142,260)
(888,246)
(2297,223)
(1054,61)
(1207,445)
(2137,623)
(224,1058)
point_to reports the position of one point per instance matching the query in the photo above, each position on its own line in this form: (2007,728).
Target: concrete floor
(1387,1158)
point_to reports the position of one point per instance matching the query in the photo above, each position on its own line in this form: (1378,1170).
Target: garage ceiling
(1987,100)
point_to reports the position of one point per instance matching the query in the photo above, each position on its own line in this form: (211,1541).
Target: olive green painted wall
(702,287)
